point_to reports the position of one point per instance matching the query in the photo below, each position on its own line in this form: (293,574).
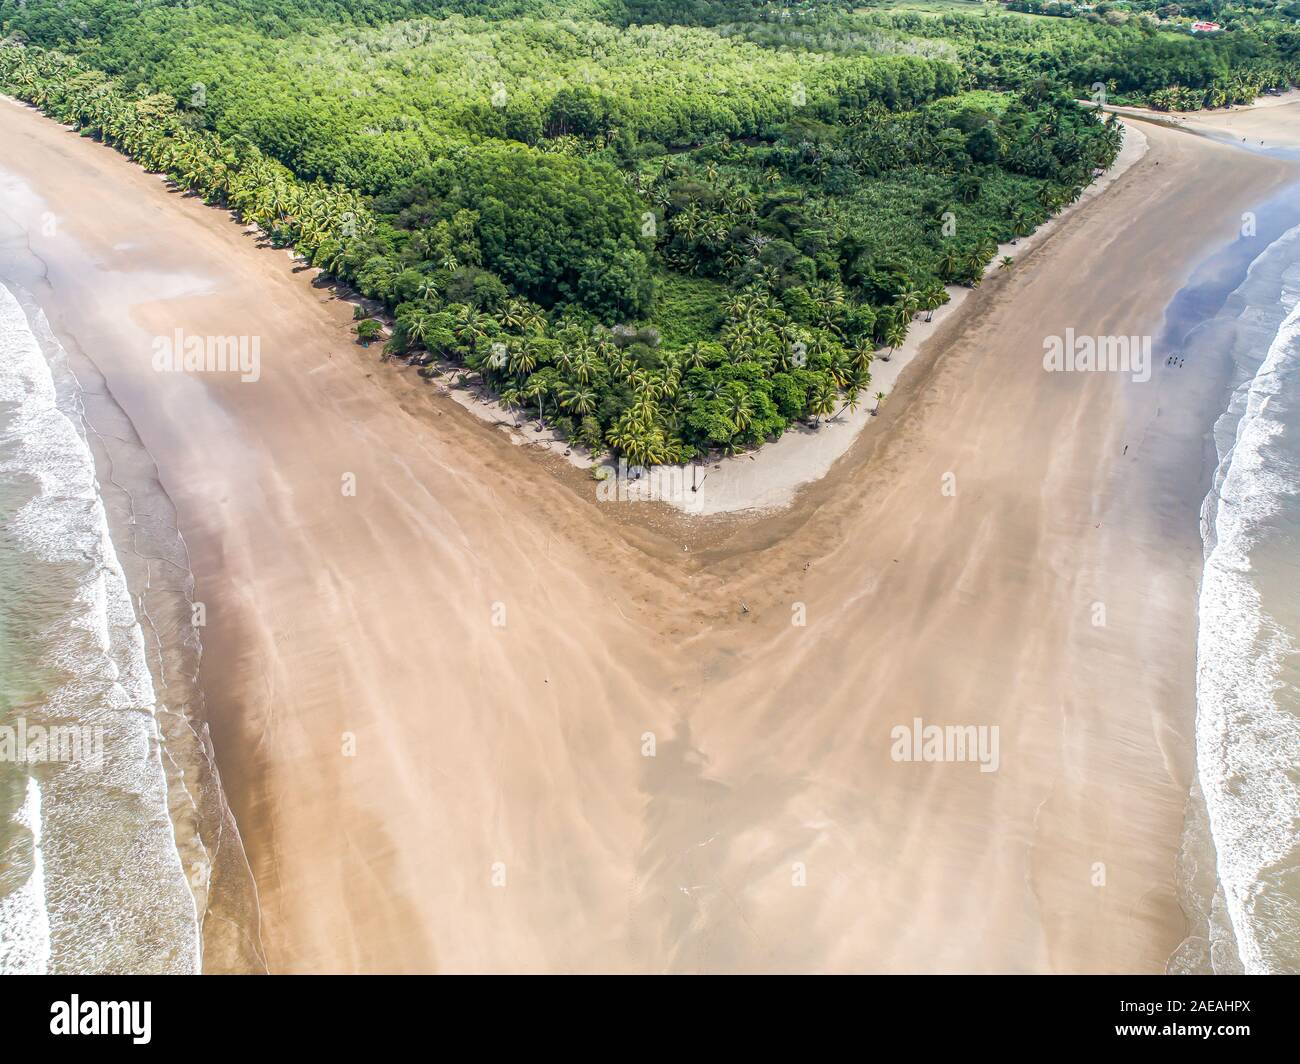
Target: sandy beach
(1261,125)
(434,665)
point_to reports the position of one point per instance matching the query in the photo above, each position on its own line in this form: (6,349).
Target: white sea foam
(111,875)
(1247,732)
(24,922)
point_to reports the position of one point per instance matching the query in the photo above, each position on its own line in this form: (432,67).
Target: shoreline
(519,744)
(1222,123)
(1200,325)
(152,552)
(143,523)
(1241,915)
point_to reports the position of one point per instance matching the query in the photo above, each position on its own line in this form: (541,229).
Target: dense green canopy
(663,226)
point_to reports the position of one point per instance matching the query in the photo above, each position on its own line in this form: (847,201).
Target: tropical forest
(662,229)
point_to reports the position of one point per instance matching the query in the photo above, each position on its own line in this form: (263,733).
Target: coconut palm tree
(511,399)
(841,368)
(932,298)
(739,411)
(417,326)
(949,264)
(863,354)
(512,314)
(584,365)
(537,387)
(523,360)
(906,304)
(822,401)
(852,398)
(895,335)
(638,438)
(582,400)
(693,357)
(470,325)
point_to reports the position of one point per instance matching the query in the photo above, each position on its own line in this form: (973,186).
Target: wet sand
(430,700)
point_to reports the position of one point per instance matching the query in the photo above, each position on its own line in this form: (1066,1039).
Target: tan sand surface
(498,650)
(1270,122)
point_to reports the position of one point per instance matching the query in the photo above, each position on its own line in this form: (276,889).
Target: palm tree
(974,263)
(863,354)
(513,314)
(499,358)
(932,298)
(417,327)
(694,355)
(582,400)
(510,399)
(880,401)
(536,388)
(840,368)
(950,264)
(523,360)
(822,402)
(636,435)
(1006,262)
(895,335)
(584,365)
(851,400)
(906,305)
(739,411)
(688,221)
(1019,220)
(732,257)
(737,306)
(470,325)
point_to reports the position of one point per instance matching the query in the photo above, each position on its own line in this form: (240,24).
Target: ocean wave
(24,922)
(115,895)
(1248,730)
